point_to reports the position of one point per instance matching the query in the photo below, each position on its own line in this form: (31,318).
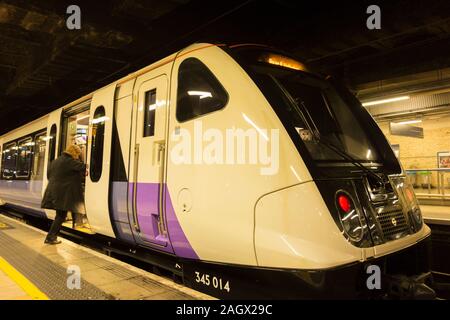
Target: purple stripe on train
(147,205)
(178,238)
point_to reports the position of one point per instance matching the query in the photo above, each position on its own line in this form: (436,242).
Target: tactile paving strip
(125,274)
(49,277)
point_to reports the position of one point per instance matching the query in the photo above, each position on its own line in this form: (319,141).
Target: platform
(30,269)
(436,214)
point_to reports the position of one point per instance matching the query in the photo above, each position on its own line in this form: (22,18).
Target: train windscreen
(313,107)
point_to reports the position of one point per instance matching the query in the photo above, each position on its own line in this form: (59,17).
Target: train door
(148,161)
(101,116)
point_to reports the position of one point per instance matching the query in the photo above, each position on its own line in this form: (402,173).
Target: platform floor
(436,214)
(30,269)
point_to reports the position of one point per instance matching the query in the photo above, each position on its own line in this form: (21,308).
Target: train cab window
(9,161)
(199,91)
(24,157)
(150,112)
(38,157)
(97,142)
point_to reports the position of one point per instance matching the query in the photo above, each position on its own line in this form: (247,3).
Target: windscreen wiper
(348,157)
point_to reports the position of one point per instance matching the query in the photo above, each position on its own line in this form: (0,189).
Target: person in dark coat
(64,190)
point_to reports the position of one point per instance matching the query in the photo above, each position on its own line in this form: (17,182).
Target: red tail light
(345,203)
(349,215)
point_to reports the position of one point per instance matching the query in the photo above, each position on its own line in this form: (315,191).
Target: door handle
(161,156)
(161,149)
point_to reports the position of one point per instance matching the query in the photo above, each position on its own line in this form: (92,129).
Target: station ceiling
(43,65)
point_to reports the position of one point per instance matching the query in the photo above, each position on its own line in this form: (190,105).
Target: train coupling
(417,287)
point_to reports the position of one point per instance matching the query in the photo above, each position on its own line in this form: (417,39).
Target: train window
(150,111)
(38,157)
(52,144)
(24,157)
(199,91)
(98,135)
(9,161)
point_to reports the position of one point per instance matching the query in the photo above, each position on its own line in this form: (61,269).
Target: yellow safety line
(23,282)
(3,225)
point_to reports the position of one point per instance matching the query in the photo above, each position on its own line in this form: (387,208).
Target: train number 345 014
(212,281)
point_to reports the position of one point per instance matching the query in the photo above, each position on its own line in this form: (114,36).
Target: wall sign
(443,159)
(402,129)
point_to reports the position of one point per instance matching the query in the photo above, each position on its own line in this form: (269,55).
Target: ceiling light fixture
(409,122)
(372,103)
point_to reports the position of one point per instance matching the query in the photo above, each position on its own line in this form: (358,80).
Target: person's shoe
(55,241)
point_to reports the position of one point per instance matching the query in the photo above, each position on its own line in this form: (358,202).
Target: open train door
(99,160)
(52,147)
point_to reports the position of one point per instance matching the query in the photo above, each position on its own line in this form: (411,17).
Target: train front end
(355,230)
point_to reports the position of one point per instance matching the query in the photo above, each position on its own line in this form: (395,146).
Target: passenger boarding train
(337,203)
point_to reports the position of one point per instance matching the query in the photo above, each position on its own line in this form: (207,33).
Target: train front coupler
(418,287)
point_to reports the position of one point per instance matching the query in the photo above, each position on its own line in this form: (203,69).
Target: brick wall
(418,153)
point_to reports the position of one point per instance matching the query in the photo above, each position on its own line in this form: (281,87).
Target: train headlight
(349,216)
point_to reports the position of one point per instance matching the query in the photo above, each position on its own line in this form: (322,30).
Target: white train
(238,167)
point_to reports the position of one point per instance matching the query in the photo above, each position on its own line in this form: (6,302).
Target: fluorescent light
(100,120)
(372,103)
(409,122)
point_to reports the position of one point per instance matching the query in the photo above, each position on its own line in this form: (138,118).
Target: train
(241,167)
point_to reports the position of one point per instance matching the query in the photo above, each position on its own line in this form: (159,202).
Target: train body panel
(211,190)
(286,235)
